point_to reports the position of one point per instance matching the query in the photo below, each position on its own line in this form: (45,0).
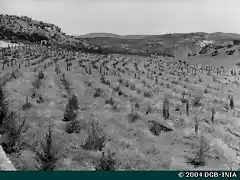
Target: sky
(127,17)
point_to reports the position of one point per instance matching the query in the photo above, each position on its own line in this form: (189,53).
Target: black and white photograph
(119,85)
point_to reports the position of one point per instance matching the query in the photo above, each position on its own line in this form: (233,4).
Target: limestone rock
(5,163)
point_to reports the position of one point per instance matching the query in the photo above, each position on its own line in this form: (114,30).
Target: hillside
(26,30)
(218,36)
(72,110)
(125,98)
(166,44)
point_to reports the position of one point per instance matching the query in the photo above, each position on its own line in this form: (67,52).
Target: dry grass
(122,105)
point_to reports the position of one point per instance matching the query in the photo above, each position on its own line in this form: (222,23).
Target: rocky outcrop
(5,163)
(24,29)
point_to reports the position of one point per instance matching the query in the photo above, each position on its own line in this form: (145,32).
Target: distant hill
(144,44)
(110,35)
(93,35)
(26,30)
(165,44)
(218,36)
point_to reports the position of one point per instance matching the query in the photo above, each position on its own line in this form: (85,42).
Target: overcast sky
(131,16)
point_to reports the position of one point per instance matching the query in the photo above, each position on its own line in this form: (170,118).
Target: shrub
(98,92)
(47,155)
(40,75)
(73,102)
(65,83)
(69,114)
(106,163)
(110,101)
(147,94)
(199,159)
(4,103)
(96,138)
(14,129)
(133,116)
(196,100)
(40,99)
(117,89)
(73,126)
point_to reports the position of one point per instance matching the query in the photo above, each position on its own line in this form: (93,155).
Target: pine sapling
(107,162)
(166,109)
(196,125)
(27,104)
(231,102)
(213,114)
(100,69)
(47,155)
(187,108)
(199,159)
(67,65)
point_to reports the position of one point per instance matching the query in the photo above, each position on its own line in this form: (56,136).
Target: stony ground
(125,95)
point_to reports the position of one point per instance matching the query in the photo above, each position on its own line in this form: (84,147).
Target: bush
(65,83)
(96,138)
(147,94)
(47,155)
(69,114)
(40,75)
(14,131)
(8,125)
(98,92)
(199,159)
(4,103)
(133,117)
(196,100)
(110,101)
(106,163)
(73,102)
(73,127)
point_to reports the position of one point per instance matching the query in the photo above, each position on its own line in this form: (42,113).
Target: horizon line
(165,33)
